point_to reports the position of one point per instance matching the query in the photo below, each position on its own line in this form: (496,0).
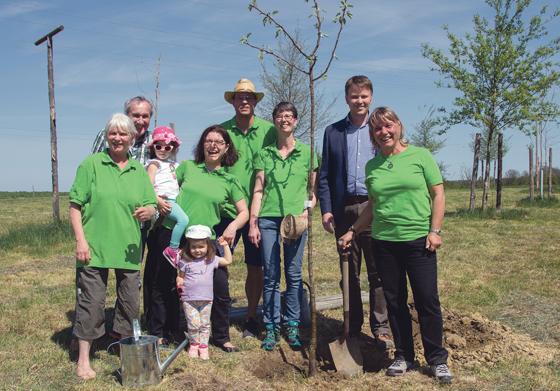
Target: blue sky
(109,49)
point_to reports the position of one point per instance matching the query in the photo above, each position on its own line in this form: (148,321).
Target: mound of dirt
(473,340)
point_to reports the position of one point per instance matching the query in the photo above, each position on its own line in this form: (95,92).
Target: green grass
(505,266)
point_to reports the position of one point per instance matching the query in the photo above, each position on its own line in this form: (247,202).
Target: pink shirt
(199,278)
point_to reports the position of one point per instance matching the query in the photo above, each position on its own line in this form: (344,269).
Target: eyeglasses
(287,117)
(242,98)
(166,148)
(219,143)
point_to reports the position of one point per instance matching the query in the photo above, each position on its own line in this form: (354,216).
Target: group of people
(382,198)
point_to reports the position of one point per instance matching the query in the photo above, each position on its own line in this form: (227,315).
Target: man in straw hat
(249,134)
(343,196)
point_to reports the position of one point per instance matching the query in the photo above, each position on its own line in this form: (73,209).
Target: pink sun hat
(165,134)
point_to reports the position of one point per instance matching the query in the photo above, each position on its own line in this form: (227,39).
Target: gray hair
(137,100)
(123,122)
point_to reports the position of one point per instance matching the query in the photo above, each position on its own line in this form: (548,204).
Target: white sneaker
(399,367)
(442,373)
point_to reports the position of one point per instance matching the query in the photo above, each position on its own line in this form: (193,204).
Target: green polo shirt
(285,180)
(204,194)
(261,134)
(400,185)
(108,197)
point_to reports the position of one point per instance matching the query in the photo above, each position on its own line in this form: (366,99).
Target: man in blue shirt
(343,196)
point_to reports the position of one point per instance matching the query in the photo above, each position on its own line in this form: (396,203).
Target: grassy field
(502,267)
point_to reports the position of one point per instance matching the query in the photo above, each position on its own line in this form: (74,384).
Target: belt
(355,199)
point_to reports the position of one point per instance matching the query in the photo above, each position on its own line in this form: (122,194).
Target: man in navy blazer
(343,196)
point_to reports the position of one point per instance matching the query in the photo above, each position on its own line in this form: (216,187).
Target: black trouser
(222,300)
(396,260)
(163,312)
(362,246)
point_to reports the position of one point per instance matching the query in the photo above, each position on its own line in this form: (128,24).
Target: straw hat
(243,85)
(292,226)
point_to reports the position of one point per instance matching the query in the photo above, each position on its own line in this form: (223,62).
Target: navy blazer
(333,173)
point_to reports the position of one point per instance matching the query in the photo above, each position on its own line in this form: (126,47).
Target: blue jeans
(293,255)
(181,221)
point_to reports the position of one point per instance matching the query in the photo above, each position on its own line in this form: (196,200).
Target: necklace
(389,163)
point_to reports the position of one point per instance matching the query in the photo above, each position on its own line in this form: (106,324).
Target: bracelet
(352,229)
(307,204)
(436,231)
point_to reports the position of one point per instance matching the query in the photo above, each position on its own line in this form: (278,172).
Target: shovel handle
(346,292)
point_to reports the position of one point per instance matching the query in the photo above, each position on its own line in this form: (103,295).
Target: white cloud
(21,8)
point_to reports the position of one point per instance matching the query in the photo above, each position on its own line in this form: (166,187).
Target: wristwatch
(436,231)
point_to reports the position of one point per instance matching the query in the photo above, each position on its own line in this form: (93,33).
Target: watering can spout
(174,355)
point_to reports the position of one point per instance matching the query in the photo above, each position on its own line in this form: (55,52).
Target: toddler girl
(196,263)
(161,169)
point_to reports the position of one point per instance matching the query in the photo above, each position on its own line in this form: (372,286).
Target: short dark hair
(284,106)
(360,81)
(137,100)
(229,158)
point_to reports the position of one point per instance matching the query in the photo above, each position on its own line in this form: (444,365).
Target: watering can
(140,362)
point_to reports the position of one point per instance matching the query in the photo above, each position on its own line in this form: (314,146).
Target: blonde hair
(123,122)
(381,115)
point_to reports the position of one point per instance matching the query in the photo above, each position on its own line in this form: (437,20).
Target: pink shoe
(171,255)
(194,350)
(203,352)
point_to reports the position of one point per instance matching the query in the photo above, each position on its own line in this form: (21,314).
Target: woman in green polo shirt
(407,204)
(205,190)
(110,196)
(281,189)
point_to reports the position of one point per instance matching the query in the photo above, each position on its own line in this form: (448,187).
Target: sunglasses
(166,148)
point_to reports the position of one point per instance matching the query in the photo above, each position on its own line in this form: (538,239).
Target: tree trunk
(549,172)
(499,176)
(486,187)
(537,162)
(474,170)
(310,188)
(531,176)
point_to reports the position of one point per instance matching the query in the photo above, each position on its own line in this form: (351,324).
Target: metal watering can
(140,362)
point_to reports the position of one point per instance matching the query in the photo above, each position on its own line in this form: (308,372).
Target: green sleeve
(236,191)
(431,170)
(149,193)
(180,172)
(258,163)
(80,192)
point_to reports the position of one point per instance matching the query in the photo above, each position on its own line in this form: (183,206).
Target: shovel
(345,351)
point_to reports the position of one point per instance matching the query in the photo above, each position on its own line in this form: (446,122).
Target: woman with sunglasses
(161,169)
(205,188)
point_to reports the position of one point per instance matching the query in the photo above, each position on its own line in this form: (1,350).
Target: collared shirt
(108,196)
(139,151)
(204,194)
(360,151)
(261,134)
(399,186)
(285,179)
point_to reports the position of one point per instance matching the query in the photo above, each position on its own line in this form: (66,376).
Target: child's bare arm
(227,258)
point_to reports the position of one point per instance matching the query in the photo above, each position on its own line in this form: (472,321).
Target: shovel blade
(347,357)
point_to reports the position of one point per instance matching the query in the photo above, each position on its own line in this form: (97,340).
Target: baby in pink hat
(161,169)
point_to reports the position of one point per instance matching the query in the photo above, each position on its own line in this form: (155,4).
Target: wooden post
(499,174)
(474,170)
(172,125)
(531,176)
(54,158)
(549,172)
